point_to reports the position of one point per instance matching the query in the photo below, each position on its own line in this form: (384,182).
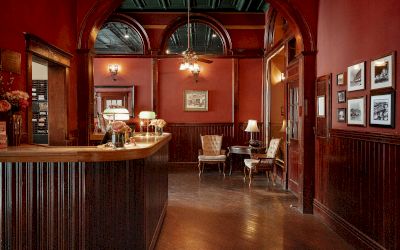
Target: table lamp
(252,128)
(147,116)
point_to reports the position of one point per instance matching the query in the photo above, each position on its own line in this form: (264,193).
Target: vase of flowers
(119,131)
(12,103)
(158,124)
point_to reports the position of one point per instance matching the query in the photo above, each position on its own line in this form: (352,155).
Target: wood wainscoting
(185,143)
(357,187)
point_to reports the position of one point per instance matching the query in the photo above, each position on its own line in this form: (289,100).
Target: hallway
(217,213)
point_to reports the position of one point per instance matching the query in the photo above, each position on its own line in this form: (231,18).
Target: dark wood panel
(357,184)
(102,205)
(186,141)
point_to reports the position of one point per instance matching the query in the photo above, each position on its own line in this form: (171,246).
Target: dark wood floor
(224,213)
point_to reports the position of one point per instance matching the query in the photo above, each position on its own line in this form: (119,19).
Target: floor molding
(344,228)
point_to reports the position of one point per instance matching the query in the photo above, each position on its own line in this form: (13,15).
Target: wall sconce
(282,77)
(113,68)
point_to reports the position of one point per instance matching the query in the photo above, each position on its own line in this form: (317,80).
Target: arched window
(204,40)
(118,38)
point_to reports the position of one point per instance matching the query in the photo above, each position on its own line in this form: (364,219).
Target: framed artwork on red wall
(356,77)
(195,100)
(383,72)
(356,111)
(382,110)
(341,79)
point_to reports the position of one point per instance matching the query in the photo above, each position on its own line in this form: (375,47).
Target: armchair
(211,152)
(263,162)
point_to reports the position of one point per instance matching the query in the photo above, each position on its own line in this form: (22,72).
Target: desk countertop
(145,146)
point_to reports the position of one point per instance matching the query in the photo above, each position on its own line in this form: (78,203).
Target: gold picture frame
(195,100)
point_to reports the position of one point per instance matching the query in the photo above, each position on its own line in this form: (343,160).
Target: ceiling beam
(139,4)
(240,5)
(163,4)
(119,35)
(260,5)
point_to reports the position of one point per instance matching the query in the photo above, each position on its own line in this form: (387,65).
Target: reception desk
(83,197)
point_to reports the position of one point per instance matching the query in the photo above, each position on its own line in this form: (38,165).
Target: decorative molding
(367,136)
(345,229)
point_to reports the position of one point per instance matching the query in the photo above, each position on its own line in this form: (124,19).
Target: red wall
(349,32)
(250,89)
(132,71)
(215,77)
(53,21)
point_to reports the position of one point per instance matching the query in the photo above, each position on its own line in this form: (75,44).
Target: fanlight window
(118,38)
(204,40)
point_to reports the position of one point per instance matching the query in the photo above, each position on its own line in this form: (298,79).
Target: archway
(101,10)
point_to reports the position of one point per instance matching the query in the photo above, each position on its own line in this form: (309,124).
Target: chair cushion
(211,144)
(250,163)
(273,147)
(212,157)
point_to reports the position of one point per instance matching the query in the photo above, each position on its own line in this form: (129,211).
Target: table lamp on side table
(147,116)
(252,128)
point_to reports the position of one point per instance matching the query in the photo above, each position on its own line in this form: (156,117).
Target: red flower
(4,106)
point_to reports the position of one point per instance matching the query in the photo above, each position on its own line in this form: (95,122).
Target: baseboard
(344,228)
(182,165)
(158,228)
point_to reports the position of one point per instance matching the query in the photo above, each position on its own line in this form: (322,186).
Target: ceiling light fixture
(189,56)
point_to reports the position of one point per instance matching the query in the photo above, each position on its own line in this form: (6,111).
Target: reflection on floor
(224,213)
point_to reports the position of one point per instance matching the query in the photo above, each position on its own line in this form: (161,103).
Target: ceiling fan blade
(200,59)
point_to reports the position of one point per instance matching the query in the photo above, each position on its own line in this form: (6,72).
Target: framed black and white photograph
(382,110)
(356,111)
(382,72)
(321,106)
(356,77)
(341,115)
(341,96)
(340,79)
(195,100)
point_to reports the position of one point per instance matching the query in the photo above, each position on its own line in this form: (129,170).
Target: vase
(118,139)
(14,128)
(158,130)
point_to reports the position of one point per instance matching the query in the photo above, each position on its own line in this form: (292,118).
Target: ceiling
(196,5)
(112,37)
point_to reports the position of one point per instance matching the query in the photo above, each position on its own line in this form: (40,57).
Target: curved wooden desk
(83,197)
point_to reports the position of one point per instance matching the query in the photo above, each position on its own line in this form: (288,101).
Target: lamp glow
(252,128)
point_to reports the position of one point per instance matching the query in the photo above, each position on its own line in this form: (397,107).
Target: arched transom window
(118,38)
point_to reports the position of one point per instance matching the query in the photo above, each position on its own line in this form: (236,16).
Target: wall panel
(357,186)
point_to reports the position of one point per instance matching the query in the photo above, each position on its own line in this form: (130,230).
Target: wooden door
(293,130)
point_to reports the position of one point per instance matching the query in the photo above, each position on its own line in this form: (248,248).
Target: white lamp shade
(116,114)
(252,126)
(147,115)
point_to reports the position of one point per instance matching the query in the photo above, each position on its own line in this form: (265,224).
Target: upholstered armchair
(211,152)
(263,162)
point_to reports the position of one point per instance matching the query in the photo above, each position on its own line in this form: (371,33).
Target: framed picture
(195,100)
(356,77)
(340,79)
(341,96)
(341,115)
(321,106)
(382,110)
(383,72)
(356,111)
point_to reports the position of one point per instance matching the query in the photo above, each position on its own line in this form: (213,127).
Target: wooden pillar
(306,136)
(155,88)
(235,99)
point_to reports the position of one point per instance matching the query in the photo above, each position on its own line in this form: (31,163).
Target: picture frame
(340,79)
(321,106)
(341,114)
(356,111)
(356,77)
(341,96)
(195,100)
(382,110)
(383,72)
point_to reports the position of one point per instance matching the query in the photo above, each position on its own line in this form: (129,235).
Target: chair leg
(219,168)
(250,177)
(244,172)
(274,175)
(199,168)
(223,168)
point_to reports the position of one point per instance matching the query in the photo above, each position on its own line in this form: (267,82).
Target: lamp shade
(116,114)
(147,115)
(252,126)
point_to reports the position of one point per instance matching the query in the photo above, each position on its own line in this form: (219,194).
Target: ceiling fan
(190,58)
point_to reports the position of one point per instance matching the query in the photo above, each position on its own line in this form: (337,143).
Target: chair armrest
(200,151)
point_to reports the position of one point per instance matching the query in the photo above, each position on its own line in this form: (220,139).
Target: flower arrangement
(120,127)
(158,123)
(15,101)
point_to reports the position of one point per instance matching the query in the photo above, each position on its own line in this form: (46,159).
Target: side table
(242,150)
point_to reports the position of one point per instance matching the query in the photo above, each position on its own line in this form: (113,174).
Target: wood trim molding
(44,49)
(367,136)
(343,228)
